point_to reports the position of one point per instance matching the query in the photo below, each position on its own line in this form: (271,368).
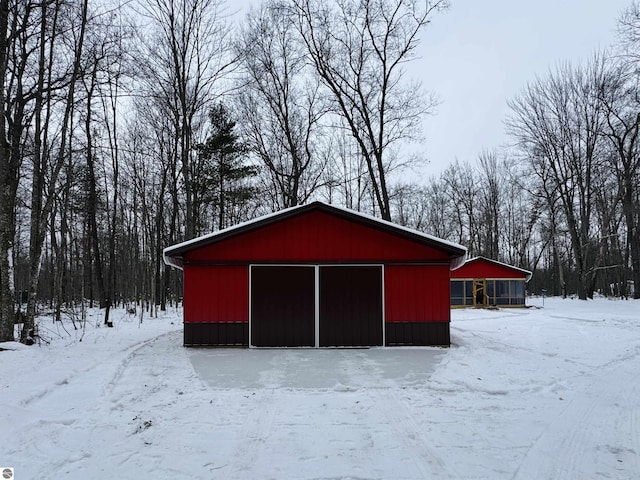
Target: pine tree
(222,177)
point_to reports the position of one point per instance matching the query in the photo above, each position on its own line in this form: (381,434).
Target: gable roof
(526,273)
(173,255)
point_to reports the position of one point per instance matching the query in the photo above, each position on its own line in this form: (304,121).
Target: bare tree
(46,161)
(410,206)
(491,201)
(279,106)
(92,192)
(106,69)
(629,34)
(186,52)
(440,212)
(620,95)
(9,171)
(557,123)
(154,199)
(346,178)
(461,186)
(519,225)
(358,49)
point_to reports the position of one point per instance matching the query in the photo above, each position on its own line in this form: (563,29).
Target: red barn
(481,282)
(316,276)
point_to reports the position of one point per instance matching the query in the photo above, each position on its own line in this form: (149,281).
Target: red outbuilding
(481,282)
(316,276)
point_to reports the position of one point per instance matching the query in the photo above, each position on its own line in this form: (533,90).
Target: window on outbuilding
(461,293)
(517,292)
(502,292)
(509,292)
(491,292)
(498,292)
(457,292)
(468,292)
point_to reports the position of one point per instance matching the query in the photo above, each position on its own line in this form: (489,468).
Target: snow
(12,346)
(538,393)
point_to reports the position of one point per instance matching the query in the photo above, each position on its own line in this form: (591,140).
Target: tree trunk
(92,198)
(633,239)
(40,209)
(8,188)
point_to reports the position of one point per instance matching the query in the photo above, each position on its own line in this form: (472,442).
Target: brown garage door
(350,306)
(282,306)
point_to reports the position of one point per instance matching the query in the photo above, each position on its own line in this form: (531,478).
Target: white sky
(480,53)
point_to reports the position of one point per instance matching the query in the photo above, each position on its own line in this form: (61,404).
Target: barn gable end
(316,275)
(314,236)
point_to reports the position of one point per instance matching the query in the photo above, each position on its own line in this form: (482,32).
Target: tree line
(129,126)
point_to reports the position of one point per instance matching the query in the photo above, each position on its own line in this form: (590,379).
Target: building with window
(481,282)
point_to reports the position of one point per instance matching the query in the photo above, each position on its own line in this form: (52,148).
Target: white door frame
(316,268)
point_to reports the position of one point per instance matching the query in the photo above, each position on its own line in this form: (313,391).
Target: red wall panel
(416,293)
(316,237)
(216,294)
(483,269)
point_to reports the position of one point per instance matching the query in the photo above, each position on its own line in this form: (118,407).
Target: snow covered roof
(527,273)
(173,255)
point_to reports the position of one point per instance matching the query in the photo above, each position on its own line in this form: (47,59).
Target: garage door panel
(350,306)
(282,306)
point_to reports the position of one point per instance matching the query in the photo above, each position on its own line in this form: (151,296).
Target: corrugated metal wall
(417,293)
(316,237)
(216,294)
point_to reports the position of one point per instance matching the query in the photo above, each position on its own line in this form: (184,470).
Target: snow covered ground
(541,393)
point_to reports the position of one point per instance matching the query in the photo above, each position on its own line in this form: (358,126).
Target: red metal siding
(482,269)
(316,237)
(416,293)
(216,294)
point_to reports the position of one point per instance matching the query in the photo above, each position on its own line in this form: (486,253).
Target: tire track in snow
(253,435)
(634,430)
(133,352)
(138,381)
(401,420)
(569,451)
(567,443)
(629,427)
(91,383)
(491,342)
(96,365)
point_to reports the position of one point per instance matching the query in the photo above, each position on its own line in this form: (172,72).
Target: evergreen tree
(222,178)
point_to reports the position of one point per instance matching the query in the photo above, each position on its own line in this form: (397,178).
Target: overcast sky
(480,53)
